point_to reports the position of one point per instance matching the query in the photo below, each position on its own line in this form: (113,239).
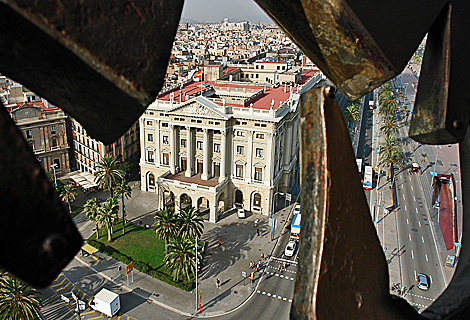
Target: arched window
(151,180)
(257,200)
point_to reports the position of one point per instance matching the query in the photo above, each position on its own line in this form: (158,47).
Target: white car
(290,249)
(297,208)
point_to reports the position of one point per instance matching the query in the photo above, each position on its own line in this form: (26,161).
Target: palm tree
(180,259)
(389,126)
(92,210)
(351,113)
(108,174)
(68,195)
(189,223)
(389,152)
(423,160)
(166,226)
(386,87)
(108,215)
(123,189)
(388,103)
(17,300)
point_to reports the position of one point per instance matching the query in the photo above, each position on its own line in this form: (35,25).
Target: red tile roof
(305,75)
(39,104)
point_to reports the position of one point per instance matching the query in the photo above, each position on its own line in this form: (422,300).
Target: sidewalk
(240,245)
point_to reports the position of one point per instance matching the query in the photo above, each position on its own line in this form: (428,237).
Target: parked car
(241,213)
(423,281)
(290,249)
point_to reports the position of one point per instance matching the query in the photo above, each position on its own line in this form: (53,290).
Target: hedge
(141,266)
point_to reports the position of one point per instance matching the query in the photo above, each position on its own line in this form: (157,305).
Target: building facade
(44,127)
(88,152)
(216,145)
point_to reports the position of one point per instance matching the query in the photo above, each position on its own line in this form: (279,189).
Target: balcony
(194,183)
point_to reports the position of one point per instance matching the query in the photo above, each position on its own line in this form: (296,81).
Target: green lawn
(138,243)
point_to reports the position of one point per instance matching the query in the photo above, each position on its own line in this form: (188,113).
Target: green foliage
(190,224)
(125,167)
(166,225)
(389,152)
(92,211)
(17,300)
(68,195)
(60,185)
(180,259)
(108,173)
(147,256)
(108,215)
(389,126)
(387,103)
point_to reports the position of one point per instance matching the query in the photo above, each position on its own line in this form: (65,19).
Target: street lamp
(54,166)
(272,214)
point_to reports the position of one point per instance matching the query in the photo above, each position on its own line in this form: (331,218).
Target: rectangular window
(240,133)
(52,129)
(150,156)
(166,159)
(165,124)
(240,150)
(166,140)
(54,142)
(258,174)
(183,143)
(259,153)
(259,136)
(217,147)
(150,137)
(239,171)
(28,134)
(149,123)
(199,145)
(57,162)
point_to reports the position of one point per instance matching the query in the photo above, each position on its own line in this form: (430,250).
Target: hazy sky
(216,10)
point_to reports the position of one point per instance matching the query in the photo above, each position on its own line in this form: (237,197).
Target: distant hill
(253,19)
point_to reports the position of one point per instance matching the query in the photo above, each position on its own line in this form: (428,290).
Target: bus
(368,175)
(295,227)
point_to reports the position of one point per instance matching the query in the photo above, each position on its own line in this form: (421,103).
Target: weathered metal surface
(441,111)
(38,237)
(357,44)
(101,61)
(342,269)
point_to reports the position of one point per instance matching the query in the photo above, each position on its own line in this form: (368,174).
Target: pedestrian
(279,267)
(257,266)
(284,266)
(250,264)
(217,282)
(140,221)
(220,242)
(262,256)
(257,232)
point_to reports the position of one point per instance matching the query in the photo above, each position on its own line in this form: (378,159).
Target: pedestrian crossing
(65,289)
(422,297)
(269,294)
(280,275)
(287,270)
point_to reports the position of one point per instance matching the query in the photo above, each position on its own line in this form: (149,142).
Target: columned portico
(189,152)
(205,169)
(223,160)
(173,149)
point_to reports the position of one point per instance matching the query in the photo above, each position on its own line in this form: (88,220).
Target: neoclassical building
(217,144)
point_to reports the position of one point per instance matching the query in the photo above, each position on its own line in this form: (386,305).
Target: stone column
(143,145)
(249,157)
(173,149)
(288,142)
(223,156)
(189,152)
(205,168)
(268,175)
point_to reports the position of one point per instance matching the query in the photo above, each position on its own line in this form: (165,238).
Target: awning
(89,249)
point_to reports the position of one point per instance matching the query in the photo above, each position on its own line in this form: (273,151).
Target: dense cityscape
(195,210)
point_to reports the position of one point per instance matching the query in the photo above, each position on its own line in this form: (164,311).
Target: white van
(241,213)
